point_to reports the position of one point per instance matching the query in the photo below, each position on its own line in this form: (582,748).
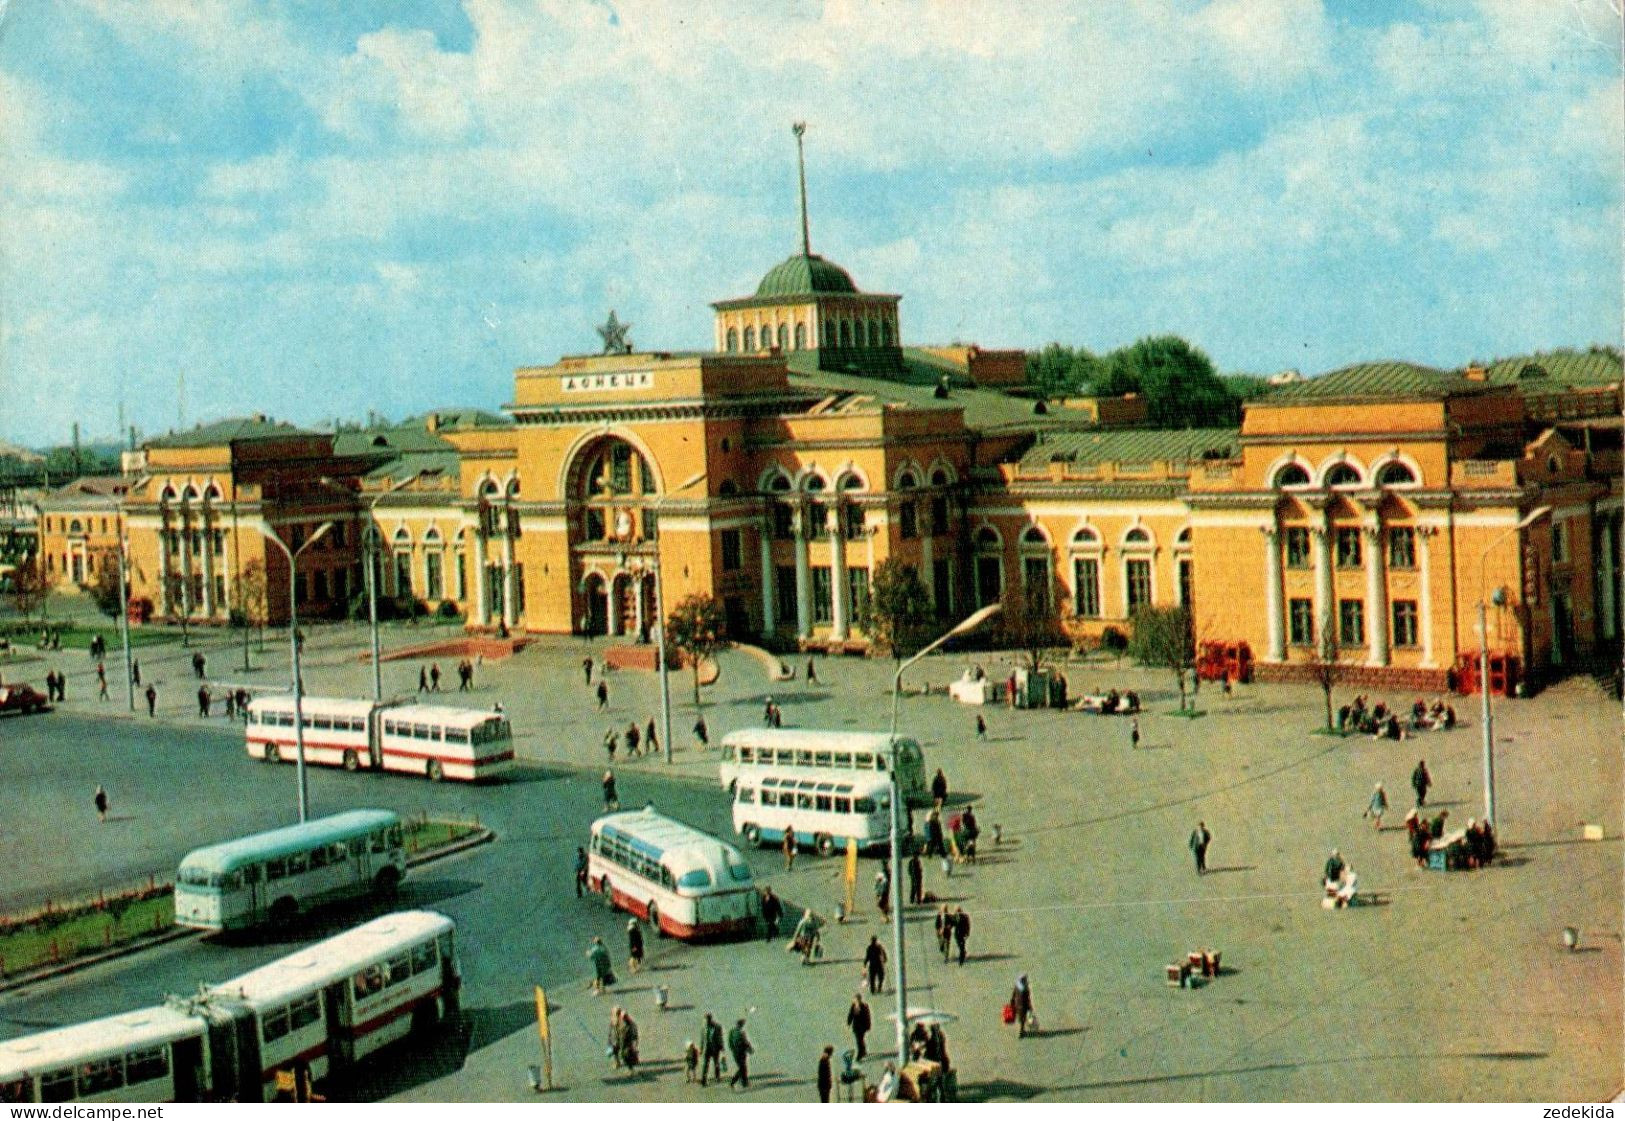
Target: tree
(28,586)
(1164,637)
(253,600)
(1035,631)
(899,608)
(697,629)
(1180,385)
(1325,665)
(105,591)
(1059,370)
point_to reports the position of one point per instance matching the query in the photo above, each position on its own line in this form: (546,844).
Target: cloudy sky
(312,209)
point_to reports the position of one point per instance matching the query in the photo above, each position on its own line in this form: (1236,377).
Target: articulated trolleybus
(271,877)
(437,741)
(685,883)
(319,1010)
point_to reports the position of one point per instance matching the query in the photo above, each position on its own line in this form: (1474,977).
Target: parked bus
(824,809)
(852,752)
(685,883)
(315,1012)
(272,876)
(437,741)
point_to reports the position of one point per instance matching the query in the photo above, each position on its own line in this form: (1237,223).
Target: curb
(175,934)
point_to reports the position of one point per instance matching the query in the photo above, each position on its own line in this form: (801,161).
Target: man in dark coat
(916,879)
(772,912)
(826,1072)
(961,933)
(874,964)
(939,787)
(710,1049)
(860,1020)
(1200,839)
(1421,782)
(739,1047)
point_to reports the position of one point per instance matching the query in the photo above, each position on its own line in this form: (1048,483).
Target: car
(22,698)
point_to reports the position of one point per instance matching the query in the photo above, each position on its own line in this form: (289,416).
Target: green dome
(805,274)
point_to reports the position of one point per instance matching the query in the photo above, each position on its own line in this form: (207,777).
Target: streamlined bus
(857,753)
(270,877)
(316,1011)
(684,882)
(823,809)
(436,741)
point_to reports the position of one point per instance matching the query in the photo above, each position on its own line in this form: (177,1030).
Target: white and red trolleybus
(684,882)
(314,1012)
(437,741)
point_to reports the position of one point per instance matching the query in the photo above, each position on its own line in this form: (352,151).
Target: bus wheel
(654,919)
(272,753)
(825,844)
(753,834)
(388,880)
(351,763)
(435,771)
(284,911)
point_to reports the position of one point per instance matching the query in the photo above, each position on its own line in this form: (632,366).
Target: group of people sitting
(1340,881)
(1473,847)
(1381,722)
(1112,703)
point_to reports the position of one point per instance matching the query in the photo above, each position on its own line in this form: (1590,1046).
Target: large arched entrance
(609,489)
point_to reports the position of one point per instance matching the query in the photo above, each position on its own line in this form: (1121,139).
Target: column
(482,607)
(1424,550)
(1376,597)
(769,598)
(208,565)
(612,617)
(231,584)
(1325,596)
(927,558)
(837,577)
(803,578)
(639,625)
(1605,532)
(510,581)
(186,563)
(1272,594)
(163,568)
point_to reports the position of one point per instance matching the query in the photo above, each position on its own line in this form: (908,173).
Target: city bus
(824,809)
(436,741)
(685,883)
(270,877)
(314,1012)
(857,753)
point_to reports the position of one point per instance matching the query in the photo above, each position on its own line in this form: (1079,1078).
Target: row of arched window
(844,333)
(1343,474)
(1085,538)
(190,493)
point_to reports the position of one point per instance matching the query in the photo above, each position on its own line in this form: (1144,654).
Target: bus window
(370,980)
(146,1066)
(231,881)
(323,721)
(728,752)
(357,847)
(318,858)
(866,761)
(823,802)
(17,1090)
(254,873)
(274,1025)
(843,760)
(864,805)
(821,759)
(746,754)
(843,805)
(804,801)
(422,732)
(276,869)
(304,1011)
(297,863)
(784,757)
(398,969)
(100,1076)
(446,947)
(57,1086)
(803,758)
(746,796)
(695,878)
(423,958)
(395,836)
(460,735)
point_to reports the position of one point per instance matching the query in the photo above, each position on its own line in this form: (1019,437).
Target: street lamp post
(1487,719)
(369,557)
(660,620)
(124,620)
(964,626)
(293,652)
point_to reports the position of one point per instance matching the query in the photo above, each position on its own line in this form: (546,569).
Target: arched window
(907,481)
(513,487)
(1086,538)
(168,495)
(1136,537)
(986,538)
(1183,541)
(801,336)
(733,339)
(728,488)
(750,339)
(779,483)
(850,482)
(784,337)
(489,489)
(1342,475)
(989,567)
(846,333)
(1292,475)
(212,493)
(939,478)
(190,494)
(611,466)
(1395,475)
(1035,536)
(75,527)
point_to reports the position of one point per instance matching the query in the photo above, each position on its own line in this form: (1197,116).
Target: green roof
(1132,445)
(460,418)
(1374,381)
(394,440)
(1554,371)
(916,387)
(805,274)
(223,432)
(413,464)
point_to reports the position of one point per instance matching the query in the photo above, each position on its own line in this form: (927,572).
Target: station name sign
(609,383)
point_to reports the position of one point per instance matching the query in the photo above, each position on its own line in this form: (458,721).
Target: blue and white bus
(684,882)
(823,809)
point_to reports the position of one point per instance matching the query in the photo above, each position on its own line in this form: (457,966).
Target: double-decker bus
(272,876)
(436,741)
(859,753)
(824,809)
(315,1012)
(685,883)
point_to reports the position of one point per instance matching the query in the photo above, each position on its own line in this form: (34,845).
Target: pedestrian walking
(586,670)
(812,672)
(434,677)
(203,700)
(135,672)
(961,932)
(603,974)
(1421,782)
(939,788)
(1021,1005)
(612,800)
(702,734)
(1377,806)
(789,847)
(152,700)
(231,704)
(710,1049)
(916,880)
(634,946)
(423,679)
(101,682)
(859,1019)
(934,845)
(691,1061)
(101,802)
(874,964)
(612,1040)
(629,1043)
(883,892)
(198,664)
(945,932)
(612,742)
(651,743)
(826,1073)
(1200,839)
(772,913)
(981,727)
(603,695)
(1134,733)
(581,871)
(740,1049)
(632,740)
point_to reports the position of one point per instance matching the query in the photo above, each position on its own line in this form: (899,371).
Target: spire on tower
(800,128)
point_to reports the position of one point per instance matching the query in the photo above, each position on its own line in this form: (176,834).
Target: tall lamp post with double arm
(964,626)
(293,556)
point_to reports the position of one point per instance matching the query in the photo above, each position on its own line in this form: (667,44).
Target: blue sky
(313,209)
